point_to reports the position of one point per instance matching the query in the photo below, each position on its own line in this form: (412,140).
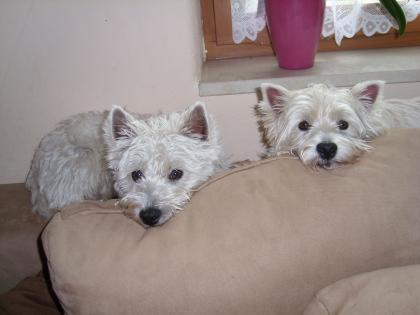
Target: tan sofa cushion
(261,240)
(19,231)
(383,292)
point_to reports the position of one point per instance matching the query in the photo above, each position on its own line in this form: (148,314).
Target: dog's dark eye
(175,175)
(343,125)
(137,175)
(304,125)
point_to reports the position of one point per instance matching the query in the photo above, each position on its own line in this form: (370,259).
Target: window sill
(236,76)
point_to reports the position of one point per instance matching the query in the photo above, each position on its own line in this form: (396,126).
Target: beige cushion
(261,240)
(382,292)
(19,231)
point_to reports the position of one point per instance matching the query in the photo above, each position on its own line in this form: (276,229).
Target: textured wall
(58,58)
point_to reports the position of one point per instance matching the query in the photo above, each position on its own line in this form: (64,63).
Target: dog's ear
(196,122)
(368,92)
(121,123)
(275,95)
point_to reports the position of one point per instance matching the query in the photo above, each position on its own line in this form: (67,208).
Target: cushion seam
(237,170)
(322,304)
(46,246)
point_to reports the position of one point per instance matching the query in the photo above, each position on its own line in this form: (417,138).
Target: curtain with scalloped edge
(343,18)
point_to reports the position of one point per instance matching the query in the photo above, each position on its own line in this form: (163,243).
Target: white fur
(92,156)
(323,107)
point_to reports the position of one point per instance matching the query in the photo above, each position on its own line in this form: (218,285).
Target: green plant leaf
(396,11)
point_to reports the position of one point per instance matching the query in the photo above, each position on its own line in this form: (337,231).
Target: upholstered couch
(271,237)
(19,232)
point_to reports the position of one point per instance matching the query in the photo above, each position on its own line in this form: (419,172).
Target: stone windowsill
(244,75)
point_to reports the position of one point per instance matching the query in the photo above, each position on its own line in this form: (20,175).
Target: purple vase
(295,28)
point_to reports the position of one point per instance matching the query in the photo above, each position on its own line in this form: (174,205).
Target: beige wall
(58,58)
(61,57)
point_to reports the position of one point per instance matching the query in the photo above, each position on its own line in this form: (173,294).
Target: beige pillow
(260,240)
(382,292)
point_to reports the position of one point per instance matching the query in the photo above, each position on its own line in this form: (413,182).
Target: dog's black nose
(150,216)
(326,150)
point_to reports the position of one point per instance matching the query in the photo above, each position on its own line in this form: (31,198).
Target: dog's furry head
(157,162)
(322,125)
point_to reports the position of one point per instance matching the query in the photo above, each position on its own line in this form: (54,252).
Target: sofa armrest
(262,239)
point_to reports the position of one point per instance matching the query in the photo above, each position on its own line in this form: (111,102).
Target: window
(217,30)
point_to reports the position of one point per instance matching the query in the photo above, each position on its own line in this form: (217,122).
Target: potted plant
(295,28)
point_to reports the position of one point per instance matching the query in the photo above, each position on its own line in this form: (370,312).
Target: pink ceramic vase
(295,28)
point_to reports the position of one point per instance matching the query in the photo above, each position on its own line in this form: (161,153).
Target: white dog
(153,163)
(325,126)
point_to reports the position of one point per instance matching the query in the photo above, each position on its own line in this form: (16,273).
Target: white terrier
(325,126)
(152,163)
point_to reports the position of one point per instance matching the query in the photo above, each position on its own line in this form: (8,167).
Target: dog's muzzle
(326,150)
(150,216)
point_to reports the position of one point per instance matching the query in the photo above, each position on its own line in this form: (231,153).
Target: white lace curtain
(343,18)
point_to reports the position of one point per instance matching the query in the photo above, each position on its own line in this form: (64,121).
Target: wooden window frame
(217,32)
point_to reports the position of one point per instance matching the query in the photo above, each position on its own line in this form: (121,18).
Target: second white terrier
(153,164)
(325,126)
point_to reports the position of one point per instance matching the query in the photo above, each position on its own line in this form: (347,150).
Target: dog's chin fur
(349,151)
(103,149)
(133,206)
(281,111)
